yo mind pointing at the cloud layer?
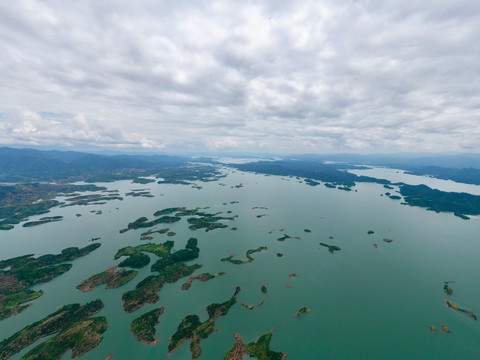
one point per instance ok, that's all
(278, 76)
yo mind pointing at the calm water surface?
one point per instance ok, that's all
(365, 303)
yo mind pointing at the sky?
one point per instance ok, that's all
(355, 76)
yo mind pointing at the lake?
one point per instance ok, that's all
(366, 302)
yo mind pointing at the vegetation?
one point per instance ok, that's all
(451, 305)
(190, 328)
(146, 290)
(331, 248)
(388, 240)
(43, 220)
(311, 170)
(447, 289)
(26, 271)
(247, 254)
(201, 277)
(307, 230)
(137, 259)
(20, 201)
(301, 311)
(259, 349)
(110, 277)
(460, 204)
(144, 223)
(370, 232)
(285, 237)
(76, 330)
(143, 327)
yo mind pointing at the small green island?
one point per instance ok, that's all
(18, 274)
(201, 277)
(43, 220)
(75, 329)
(171, 269)
(301, 311)
(143, 327)
(259, 349)
(190, 328)
(247, 254)
(331, 248)
(451, 305)
(388, 240)
(112, 278)
(307, 230)
(136, 258)
(446, 288)
(285, 237)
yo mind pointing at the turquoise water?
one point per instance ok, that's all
(365, 303)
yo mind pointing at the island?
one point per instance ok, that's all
(447, 289)
(285, 237)
(259, 349)
(43, 220)
(446, 329)
(112, 278)
(307, 230)
(460, 204)
(264, 290)
(331, 248)
(388, 240)
(137, 259)
(171, 269)
(451, 305)
(247, 254)
(143, 327)
(370, 232)
(20, 201)
(18, 274)
(190, 328)
(75, 329)
(301, 311)
(201, 277)
(433, 329)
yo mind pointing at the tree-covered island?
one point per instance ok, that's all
(112, 278)
(75, 329)
(18, 274)
(190, 328)
(143, 327)
(259, 349)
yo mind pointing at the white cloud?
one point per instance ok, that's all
(323, 76)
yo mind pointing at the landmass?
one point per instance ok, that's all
(143, 327)
(112, 278)
(447, 289)
(460, 204)
(331, 248)
(26, 271)
(20, 201)
(451, 305)
(137, 259)
(301, 311)
(285, 237)
(247, 254)
(201, 277)
(446, 329)
(190, 328)
(75, 329)
(43, 220)
(171, 269)
(259, 349)
(307, 230)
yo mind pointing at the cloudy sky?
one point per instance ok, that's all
(269, 76)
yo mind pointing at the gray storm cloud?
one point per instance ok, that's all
(278, 76)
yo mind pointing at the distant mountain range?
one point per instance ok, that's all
(36, 165)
